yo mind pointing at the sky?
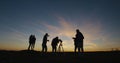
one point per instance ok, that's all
(98, 20)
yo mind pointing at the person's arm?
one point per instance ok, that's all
(60, 40)
(73, 37)
(82, 36)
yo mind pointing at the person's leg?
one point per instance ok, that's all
(52, 49)
(75, 48)
(42, 48)
(33, 46)
(55, 48)
(29, 47)
(82, 49)
(45, 48)
(78, 49)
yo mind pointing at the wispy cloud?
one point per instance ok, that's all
(14, 39)
(64, 28)
(95, 38)
(67, 30)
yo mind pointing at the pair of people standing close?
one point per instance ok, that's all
(78, 41)
(54, 43)
(32, 40)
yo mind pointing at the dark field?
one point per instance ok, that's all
(66, 57)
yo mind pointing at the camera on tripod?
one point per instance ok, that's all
(60, 47)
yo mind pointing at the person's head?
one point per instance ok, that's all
(77, 30)
(46, 34)
(31, 35)
(57, 37)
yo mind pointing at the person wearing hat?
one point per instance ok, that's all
(44, 46)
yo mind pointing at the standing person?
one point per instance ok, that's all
(78, 41)
(44, 46)
(75, 44)
(32, 40)
(54, 44)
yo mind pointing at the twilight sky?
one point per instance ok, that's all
(98, 20)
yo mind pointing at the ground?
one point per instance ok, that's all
(64, 57)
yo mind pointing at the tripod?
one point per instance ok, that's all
(60, 47)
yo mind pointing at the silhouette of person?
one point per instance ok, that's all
(54, 44)
(44, 46)
(32, 40)
(78, 41)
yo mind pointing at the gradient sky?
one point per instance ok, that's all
(98, 20)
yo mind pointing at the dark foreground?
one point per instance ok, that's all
(66, 57)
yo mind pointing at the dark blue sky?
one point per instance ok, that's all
(95, 18)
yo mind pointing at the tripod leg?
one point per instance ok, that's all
(62, 48)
